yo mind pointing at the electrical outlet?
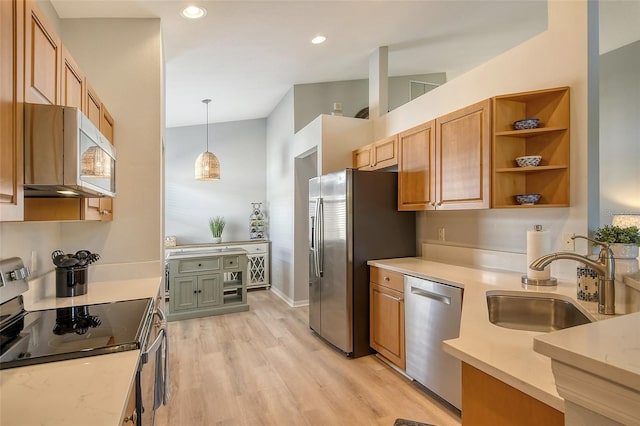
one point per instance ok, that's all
(441, 236)
(568, 243)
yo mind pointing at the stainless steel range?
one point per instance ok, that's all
(34, 337)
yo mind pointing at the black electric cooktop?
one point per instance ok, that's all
(74, 332)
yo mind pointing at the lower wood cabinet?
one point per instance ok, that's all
(386, 310)
(208, 284)
(489, 401)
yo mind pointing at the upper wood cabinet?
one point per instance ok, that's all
(42, 58)
(11, 111)
(106, 123)
(463, 158)
(378, 155)
(550, 140)
(445, 163)
(93, 105)
(72, 82)
(416, 168)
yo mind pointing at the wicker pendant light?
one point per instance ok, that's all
(207, 165)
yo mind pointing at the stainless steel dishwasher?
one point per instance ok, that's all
(432, 314)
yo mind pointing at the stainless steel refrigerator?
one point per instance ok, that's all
(353, 218)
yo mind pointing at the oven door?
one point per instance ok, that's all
(152, 372)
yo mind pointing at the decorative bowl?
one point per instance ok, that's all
(527, 123)
(527, 198)
(528, 160)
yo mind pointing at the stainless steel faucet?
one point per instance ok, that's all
(604, 266)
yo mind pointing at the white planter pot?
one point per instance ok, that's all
(217, 240)
(624, 251)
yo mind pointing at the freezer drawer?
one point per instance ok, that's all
(432, 314)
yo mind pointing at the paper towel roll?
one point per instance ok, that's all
(537, 245)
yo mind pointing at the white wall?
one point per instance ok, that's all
(129, 83)
(556, 57)
(620, 132)
(241, 149)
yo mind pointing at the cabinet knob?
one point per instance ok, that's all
(105, 212)
(386, 278)
(195, 291)
(199, 265)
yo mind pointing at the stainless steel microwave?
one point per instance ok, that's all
(65, 154)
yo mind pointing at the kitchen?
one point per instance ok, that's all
(141, 210)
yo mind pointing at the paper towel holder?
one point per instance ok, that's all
(536, 282)
(533, 282)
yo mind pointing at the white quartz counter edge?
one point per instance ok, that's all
(503, 353)
(91, 390)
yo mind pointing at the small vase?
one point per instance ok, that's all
(217, 240)
(624, 251)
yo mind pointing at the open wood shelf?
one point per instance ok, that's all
(551, 141)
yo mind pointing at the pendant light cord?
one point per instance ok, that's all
(206, 102)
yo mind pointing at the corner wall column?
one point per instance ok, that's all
(378, 82)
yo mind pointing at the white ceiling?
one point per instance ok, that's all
(245, 56)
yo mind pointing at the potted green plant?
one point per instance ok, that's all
(216, 224)
(623, 242)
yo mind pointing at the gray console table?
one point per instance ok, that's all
(207, 282)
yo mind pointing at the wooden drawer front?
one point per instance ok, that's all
(255, 248)
(384, 277)
(198, 264)
(231, 262)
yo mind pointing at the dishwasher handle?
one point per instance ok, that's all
(435, 296)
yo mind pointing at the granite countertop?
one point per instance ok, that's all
(87, 390)
(503, 353)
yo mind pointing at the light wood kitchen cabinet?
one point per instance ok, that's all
(550, 140)
(72, 82)
(378, 155)
(489, 401)
(463, 158)
(42, 58)
(416, 168)
(386, 312)
(106, 123)
(445, 163)
(93, 105)
(11, 110)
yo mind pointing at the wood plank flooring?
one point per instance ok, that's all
(265, 367)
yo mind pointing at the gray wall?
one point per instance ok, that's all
(620, 132)
(241, 150)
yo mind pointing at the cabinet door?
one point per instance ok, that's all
(72, 82)
(209, 290)
(463, 149)
(184, 293)
(42, 58)
(93, 106)
(106, 123)
(97, 209)
(387, 323)
(385, 153)
(416, 171)
(257, 269)
(361, 158)
(11, 111)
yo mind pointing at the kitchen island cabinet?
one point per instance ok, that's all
(207, 283)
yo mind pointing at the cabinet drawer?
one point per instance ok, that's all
(255, 248)
(199, 264)
(386, 278)
(231, 262)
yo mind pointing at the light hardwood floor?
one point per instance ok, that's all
(264, 367)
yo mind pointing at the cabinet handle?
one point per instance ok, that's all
(195, 291)
(439, 203)
(105, 212)
(199, 291)
(386, 278)
(133, 418)
(199, 265)
(432, 204)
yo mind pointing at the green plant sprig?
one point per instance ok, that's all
(216, 224)
(616, 234)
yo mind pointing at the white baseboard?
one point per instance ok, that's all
(287, 299)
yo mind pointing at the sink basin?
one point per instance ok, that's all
(533, 312)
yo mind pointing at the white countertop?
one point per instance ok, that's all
(204, 252)
(503, 353)
(91, 390)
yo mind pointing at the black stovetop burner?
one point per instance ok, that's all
(34, 337)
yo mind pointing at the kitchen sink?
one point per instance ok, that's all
(542, 313)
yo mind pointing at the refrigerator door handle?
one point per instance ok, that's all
(314, 238)
(320, 241)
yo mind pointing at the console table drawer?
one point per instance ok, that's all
(231, 262)
(199, 264)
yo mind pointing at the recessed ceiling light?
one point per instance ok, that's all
(193, 12)
(318, 39)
